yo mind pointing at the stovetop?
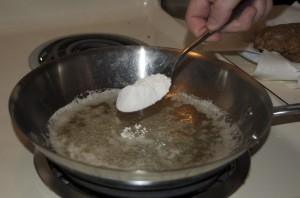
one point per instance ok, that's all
(24, 25)
(220, 184)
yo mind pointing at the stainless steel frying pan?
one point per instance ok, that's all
(53, 85)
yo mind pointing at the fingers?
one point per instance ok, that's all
(196, 18)
(196, 15)
(220, 12)
(254, 12)
(269, 7)
(263, 8)
(243, 22)
(212, 14)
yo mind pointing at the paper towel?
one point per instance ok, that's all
(272, 66)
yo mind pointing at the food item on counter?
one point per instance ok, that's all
(294, 57)
(283, 38)
(180, 131)
(143, 93)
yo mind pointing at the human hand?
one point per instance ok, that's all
(212, 14)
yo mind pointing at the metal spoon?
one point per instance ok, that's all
(133, 95)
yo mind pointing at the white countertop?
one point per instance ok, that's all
(26, 24)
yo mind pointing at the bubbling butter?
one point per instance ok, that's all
(184, 131)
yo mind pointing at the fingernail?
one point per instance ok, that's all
(211, 24)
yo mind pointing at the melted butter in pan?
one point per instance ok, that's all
(179, 131)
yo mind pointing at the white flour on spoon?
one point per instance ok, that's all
(143, 93)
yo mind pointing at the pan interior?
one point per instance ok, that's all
(178, 132)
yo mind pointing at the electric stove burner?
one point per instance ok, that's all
(60, 47)
(220, 185)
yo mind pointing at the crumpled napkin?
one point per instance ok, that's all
(272, 66)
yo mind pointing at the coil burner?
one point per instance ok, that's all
(220, 185)
(60, 47)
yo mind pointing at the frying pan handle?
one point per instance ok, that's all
(292, 109)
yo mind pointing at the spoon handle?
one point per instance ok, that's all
(183, 52)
